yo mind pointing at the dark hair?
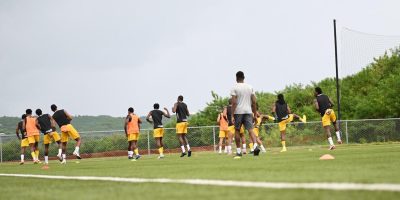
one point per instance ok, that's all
(38, 112)
(180, 98)
(156, 106)
(53, 107)
(130, 109)
(318, 90)
(28, 111)
(230, 101)
(23, 116)
(281, 99)
(239, 76)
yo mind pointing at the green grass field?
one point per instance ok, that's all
(373, 163)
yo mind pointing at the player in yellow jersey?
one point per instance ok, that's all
(132, 128)
(224, 133)
(158, 132)
(257, 125)
(182, 114)
(32, 132)
(23, 138)
(284, 116)
(47, 126)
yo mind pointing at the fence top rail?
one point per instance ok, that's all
(199, 127)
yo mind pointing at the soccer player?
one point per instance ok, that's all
(158, 132)
(63, 119)
(323, 104)
(32, 132)
(231, 126)
(257, 124)
(224, 134)
(48, 128)
(284, 115)
(23, 138)
(244, 111)
(182, 113)
(132, 129)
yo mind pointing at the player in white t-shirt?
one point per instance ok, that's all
(243, 111)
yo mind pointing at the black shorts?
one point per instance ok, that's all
(243, 119)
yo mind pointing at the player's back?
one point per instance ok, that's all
(156, 115)
(61, 118)
(181, 112)
(323, 103)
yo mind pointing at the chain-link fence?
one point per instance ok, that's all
(205, 138)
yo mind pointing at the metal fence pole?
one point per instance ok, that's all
(1, 149)
(215, 150)
(347, 134)
(148, 142)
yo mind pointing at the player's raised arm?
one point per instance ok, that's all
(69, 117)
(167, 115)
(17, 132)
(148, 118)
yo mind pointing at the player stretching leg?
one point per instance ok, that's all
(132, 128)
(244, 111)
(63, 119)
(48, 128)
(32, 132)
(182, 113)
(158, 132)
(323, 105)
(257, 124)
(282, 111)
(23, 138)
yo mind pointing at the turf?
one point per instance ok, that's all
(353, 163)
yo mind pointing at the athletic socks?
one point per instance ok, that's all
(130, 153)
(136, 151)
(183, 149)
(76, 150)
(161, 150)
(220, 149)
(64, 156)
(338, 136)
(238, 150)
(33, 156)
(37, 154)
(251, 146)
(22, 157)
(330, 141)
(283, 144)
(255, 145)
(188, 147)
(262, 148)
(46, 160)
(229, 149)
(59, 152)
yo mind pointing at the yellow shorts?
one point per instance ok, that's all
(53, 135)
(181, 128)
(282, 124)
(68, 131)
(133, 137)
(158, 132)
(24, 142)
(33, 139)
(328, 117)
(242, 129)
(231, 129)
(256, 131)
(224, 134)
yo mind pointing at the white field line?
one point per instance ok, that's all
(271, 185)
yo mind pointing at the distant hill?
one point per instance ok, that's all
(81, 123)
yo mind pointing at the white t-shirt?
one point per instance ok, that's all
(243, 92)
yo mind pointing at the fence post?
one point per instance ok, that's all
(1, 148)
(214, 139)
(347, 134)
(148, 142)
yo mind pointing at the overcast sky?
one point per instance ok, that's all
(98, 57)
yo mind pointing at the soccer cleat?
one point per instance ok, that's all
(244, 151)
(161, 157)
(219, 152)
(21, 163)
(138, 156)
(59, 158)
(63, 162)
(332, 147)
(304, 119)
(183, 154)
(339, 142)
(77, 155)
(130, 157)
(256, 151)
(189, 153)
(283, 150)
(263, 151)
(238, 156)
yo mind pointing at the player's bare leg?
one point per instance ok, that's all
(283, 141)
(237, 141)
(243, 138)
(160, 146)
(229, 142)
(329, 136)
(338, 135)
(33, 154)
(46, 154)
(130, 150)
(221, 140)
(254, 139)
(22, 155)
(135, 149)
(77, 145)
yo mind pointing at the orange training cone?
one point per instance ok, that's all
(326, 157)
